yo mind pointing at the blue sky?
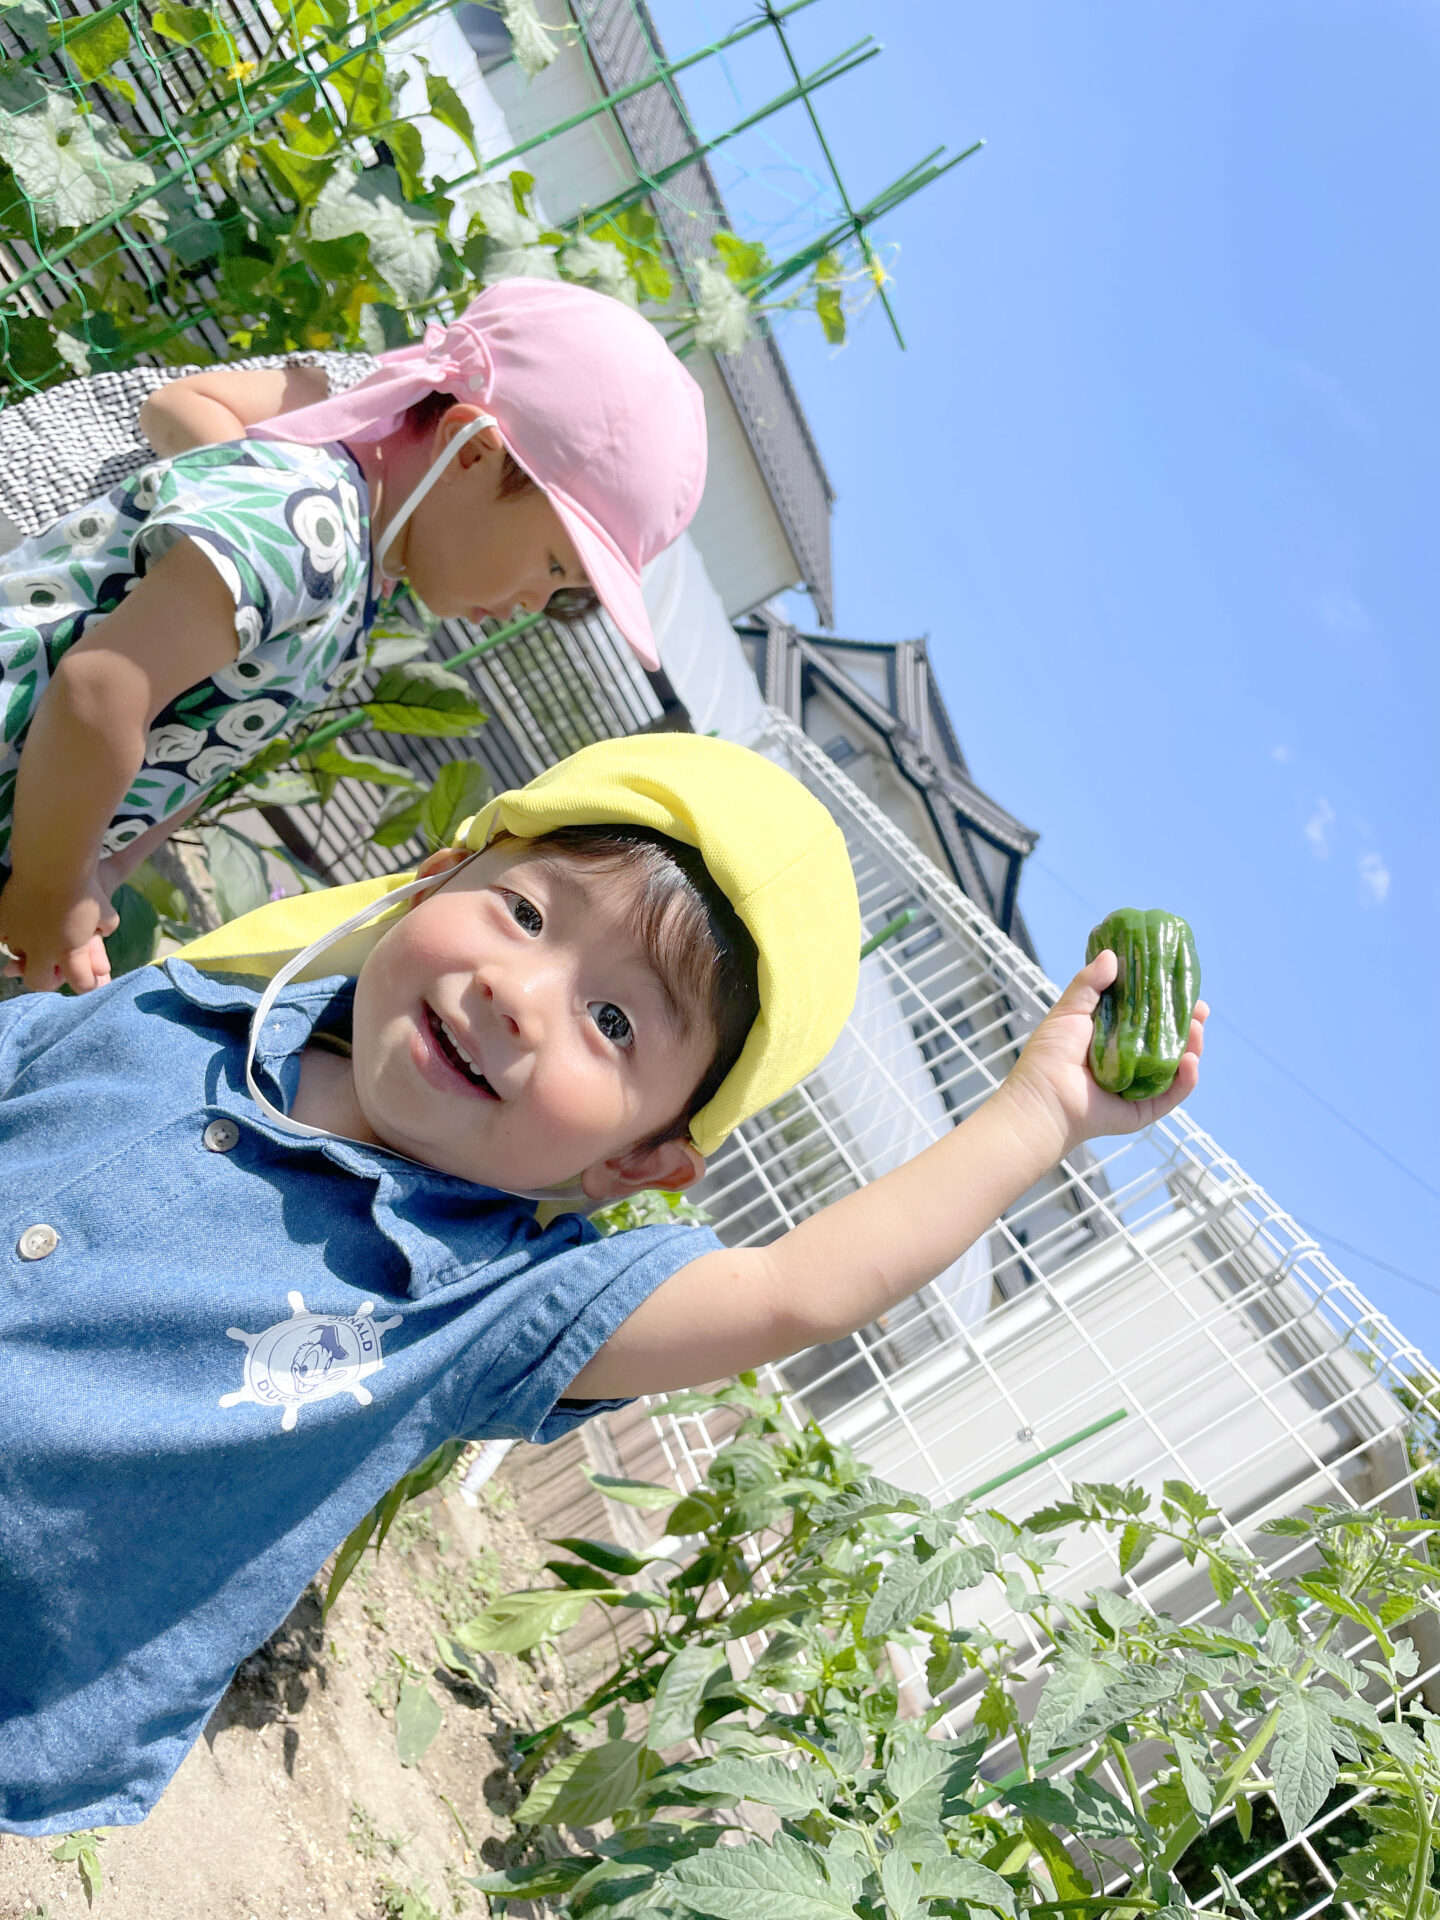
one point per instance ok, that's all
(1158, 478)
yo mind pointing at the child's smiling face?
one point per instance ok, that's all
(511, 1030)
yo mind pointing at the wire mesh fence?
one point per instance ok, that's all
(1148, 1312)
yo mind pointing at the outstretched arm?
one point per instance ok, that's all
(202, 409)
(843, 1267)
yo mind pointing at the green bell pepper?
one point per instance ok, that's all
(1143, 1020)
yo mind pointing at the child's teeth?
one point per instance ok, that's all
(458, 1048)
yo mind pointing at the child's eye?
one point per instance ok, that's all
(612, 1023)
(556, 569)
(524, 915)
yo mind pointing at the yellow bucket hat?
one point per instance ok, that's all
(769, 845)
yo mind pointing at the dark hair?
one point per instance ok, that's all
(566, 604)
(700, 948)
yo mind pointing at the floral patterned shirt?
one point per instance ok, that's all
(285, 527)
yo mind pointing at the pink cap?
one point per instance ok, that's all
(589, 400)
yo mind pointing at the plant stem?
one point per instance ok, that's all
(1132, 1785)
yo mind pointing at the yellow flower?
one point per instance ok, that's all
(241, 70)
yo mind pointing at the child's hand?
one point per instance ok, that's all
(1052, 1083)
(57, 938)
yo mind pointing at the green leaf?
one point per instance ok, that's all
(766, 1779)
(572, 1574)
(780, 1879)
(1078, 1681)
(93, 49)
(523, 1620)
(543, 1881)
(1070, 1883)
(909, 1586)
(830, 311)
(398, 820)
(133, 942)
(1134, 1544)
(631, 1493)
(967, 1880)
(348, 1558)
(677, 1698)
(459, 1660)
(407, 149)
(459, 790)
(338, 761)
(604, 1554)
(92, 1878)
(1302, 1759)
(585, 1787)
(928, 1778)
(696, 1513)
(1192, 1775)
(744, 260)
(73, 168)
(900, 1885)
(237, 872)
(401, 239)
(187, 24)
(417, 1721)
(1118, 1610)
(448, 108)
(422, 697)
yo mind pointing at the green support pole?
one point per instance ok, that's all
(497, 639)
(664, 70)
(888, 932)
(1048, 1453)
(862, 51)
(867, 252)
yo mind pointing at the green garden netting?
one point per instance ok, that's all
(182, 183)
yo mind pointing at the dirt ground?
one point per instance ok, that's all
(295, 1804)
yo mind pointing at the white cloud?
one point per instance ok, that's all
(1342, 613)
(1283, 754)
(1374, 880)
(1327, 388)
(1317, 828)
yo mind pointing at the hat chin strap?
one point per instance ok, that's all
(556, 1196)
(427, 480)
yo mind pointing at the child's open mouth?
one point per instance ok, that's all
(449, 1047)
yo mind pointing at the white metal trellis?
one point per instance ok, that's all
(1150, 1276)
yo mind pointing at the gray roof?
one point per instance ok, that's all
(623, 46)
(913, 722)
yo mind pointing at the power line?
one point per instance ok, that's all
(1319, 1098)
(1280, 1067)
(1360, 1254)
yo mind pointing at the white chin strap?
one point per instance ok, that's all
(557, 1196)
(427, 481)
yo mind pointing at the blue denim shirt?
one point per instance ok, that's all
(229, 1344)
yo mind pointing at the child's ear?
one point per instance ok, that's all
(672, 1166)
(441, 861)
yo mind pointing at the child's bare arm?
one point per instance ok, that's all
(203, 409)
(86, 744)
(841, 1268)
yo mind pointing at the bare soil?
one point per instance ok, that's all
(294, 1803)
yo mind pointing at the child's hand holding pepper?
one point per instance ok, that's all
(853, 1261)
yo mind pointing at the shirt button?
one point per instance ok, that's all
(220, 1136)
(35, 1242)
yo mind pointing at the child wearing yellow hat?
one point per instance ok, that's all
(271, 1231)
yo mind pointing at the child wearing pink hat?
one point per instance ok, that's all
(538, 450)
